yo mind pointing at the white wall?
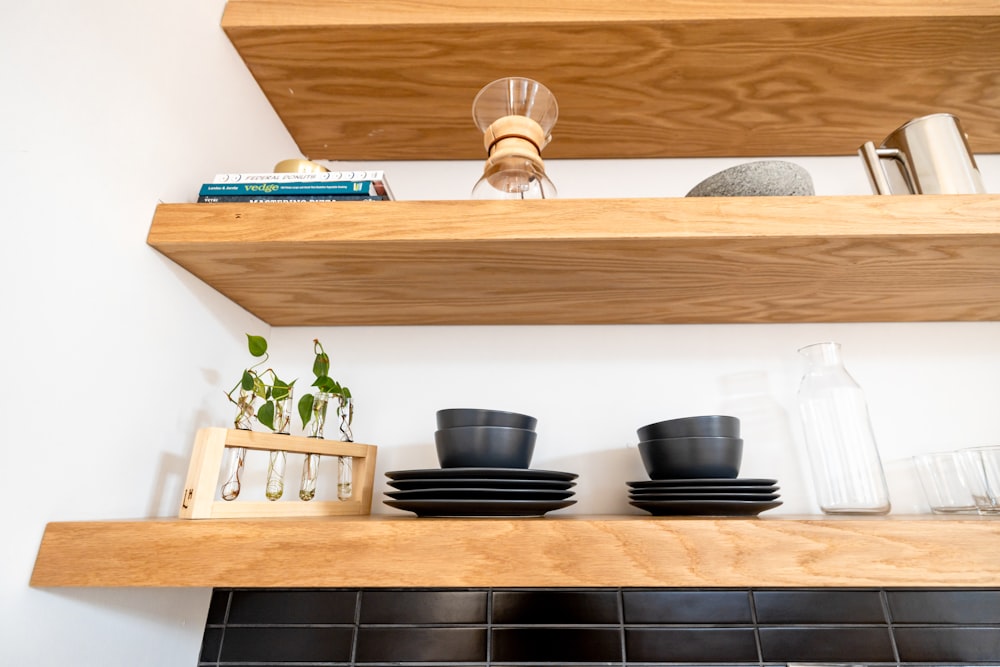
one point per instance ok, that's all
(113, 356)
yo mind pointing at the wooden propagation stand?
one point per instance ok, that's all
(203, 474)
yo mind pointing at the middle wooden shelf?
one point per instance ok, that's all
(596, 261)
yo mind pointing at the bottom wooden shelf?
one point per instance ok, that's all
(382, 551)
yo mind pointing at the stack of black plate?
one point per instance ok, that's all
(480, 492)
(484, 456)
(706, 497)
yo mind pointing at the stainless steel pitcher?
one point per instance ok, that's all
(927, 155)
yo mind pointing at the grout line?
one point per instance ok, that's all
(356, 631)
(225, 625)
(884, 600)
(756, 625)
(489, 627)
(621, 624)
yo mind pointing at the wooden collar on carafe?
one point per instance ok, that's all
(515, 136)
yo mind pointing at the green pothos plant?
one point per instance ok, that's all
(265, 385)
(310, 408)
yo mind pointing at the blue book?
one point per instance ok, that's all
(295, 188)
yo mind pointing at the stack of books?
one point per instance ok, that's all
(293, 187)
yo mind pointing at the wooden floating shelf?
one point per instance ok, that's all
(648, 78)
(596, 261)
(380, 551)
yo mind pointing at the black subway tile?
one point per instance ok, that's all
(218, 606)
(834, 644)
(680, 606)
(287, 644)
(963, 607)
(422, 606)
(560, 645)
(949, 644)
(690, 645)
(693, 627)
(211, 641)
(250, 607)
(584, 607)
(425, 644)
(818, 606)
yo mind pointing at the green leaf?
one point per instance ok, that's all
(328, 385)
(305, 409)
(259, 388)
(280, 389)
(321, 366)
(257, 345)
(266, 415)
(246, 384)
(345, 392)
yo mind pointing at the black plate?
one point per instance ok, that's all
(759, 497)
(713, 481)
(481, 473)
(479, 508)
(704, 507)
(652, 490)
(479, 494)
(465, 483)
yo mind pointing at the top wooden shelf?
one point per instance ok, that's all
(395, 79)
(380, 551)
(597, 261)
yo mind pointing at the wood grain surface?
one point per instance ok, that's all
(643, 79)
(680, 260)
(572, 551)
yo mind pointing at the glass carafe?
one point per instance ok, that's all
(516, 116)
(847, 470)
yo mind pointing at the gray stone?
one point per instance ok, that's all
(766, 178)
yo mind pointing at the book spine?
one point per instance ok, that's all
(286, 198)
(375, 175)
(292, 188)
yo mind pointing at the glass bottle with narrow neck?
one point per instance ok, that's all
(843, 454)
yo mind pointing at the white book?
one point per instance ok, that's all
(373, 175)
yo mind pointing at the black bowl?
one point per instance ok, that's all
(692, 427)
(457, 417)
(485, 447)
(692, 458)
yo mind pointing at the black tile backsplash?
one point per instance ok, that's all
(715, 645)
(218, 607)
(796, 607)
(423, 606)
(948, 644)
(211, 642)
(827, 644)
(963, 607)
(421, 644)
(289, 607)
(690, 627)
(558, 645)
(286, 644)
(687, 606)
(556, 607)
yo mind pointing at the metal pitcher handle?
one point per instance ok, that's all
(872, 157)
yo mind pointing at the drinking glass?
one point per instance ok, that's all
(982, 469)
(944, 482)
